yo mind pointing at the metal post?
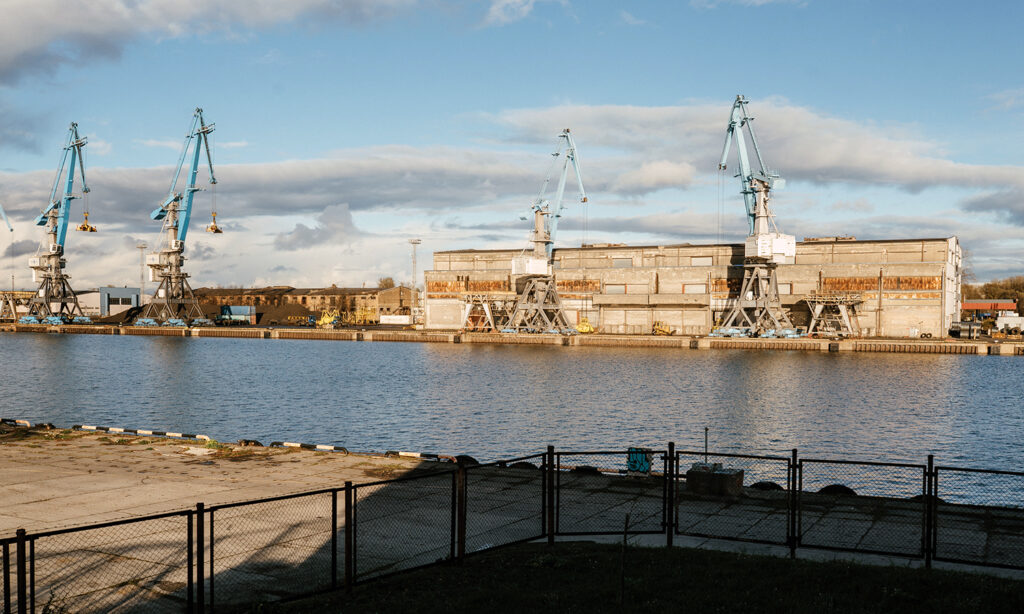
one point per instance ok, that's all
(211, 560)
(22, 583)
(461, 520)
(705, 444)
(670, 494)
(7, 578)
(929, 510)
(189, 547)
(791, 528)
(551, 495)
(350, 540)
(334, 539)
(454, 507)
(200, 544)
(32, 575)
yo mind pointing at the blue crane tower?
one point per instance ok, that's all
(55, 301)
(758, 308)
(174, 303)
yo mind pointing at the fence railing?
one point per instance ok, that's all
(227, 555)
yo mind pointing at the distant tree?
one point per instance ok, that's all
(385, 282)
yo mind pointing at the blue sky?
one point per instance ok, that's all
(346, 127)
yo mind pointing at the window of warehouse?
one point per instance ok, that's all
(695, 288)
(622, 263)
(700, 261)
(615, 288)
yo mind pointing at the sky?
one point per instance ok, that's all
(345, 128)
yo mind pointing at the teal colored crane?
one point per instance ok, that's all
(755, 186)
(547, 213)
(198, 139)
(58, 212)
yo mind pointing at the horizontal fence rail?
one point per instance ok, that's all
(238, 554)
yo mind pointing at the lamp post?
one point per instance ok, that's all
(415, 297)
(141, 245)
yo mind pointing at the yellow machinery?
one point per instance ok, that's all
(213, 227)
(86, 226)
(329, 319)
(660, 328)
(584, 327)
(359, 317)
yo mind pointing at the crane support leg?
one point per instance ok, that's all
(759, 306)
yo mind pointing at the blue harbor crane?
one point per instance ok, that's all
(55, 301)
(174, 303)
(547, 213)
(757, 310)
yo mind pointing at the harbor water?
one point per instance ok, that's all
(494, 401)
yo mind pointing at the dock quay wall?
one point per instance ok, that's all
(893, 346)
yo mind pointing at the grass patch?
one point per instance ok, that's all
(588, 577)
(213, 444)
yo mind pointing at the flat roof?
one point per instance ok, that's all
(677, 245)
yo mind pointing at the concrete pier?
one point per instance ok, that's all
(892, 346)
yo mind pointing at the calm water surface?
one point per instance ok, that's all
(496, 401)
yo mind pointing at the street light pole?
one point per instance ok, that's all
(141, 245)
(415, 280)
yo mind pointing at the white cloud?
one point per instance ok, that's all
(1007, 99)
(628, 19)
(504, 12)
(165, 143)
(97, 146)
(233, 144)
(709, 4)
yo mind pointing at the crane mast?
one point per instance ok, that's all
(174, 303)
(55, 301)
(758, 308)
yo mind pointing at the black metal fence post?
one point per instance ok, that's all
(454, 526)
(550, 495)
(792, 529)
(210, 557)
(200, 545)
(7, 578)
(22, 579)
(334, 539)
(32, 575)
(460, 523)
(190, 551)
(349, 538)
(670, 494)
(929, 510)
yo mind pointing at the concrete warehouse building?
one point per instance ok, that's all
(906, 287)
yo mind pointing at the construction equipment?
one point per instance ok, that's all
(174, 300)
(660, 328)
(758, 308)
(329, 319)
(359, 317)
(584, 327)
(55, 301)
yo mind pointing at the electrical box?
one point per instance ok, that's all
(35, 262)
(54, 249)
(152, 259)
(177, 245)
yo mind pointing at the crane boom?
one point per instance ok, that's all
(72, 148)
(546, 213)
(197, 136)
(3, 214)
(756, 186)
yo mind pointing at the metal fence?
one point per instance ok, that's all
(231, 555)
